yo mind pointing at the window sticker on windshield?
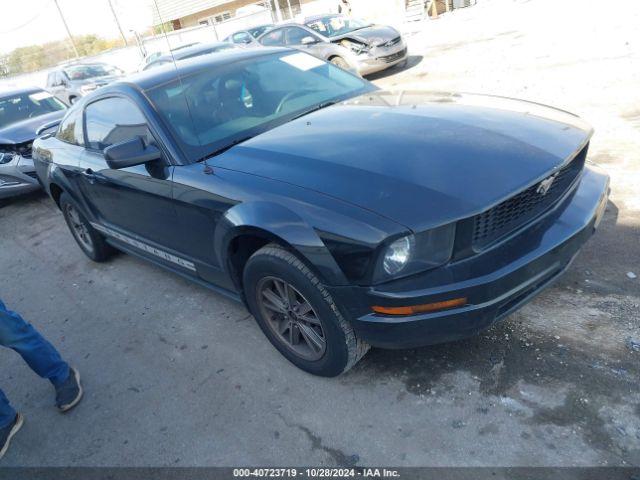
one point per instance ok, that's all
(302, 61)
(40, 96)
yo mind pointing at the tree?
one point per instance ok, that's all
(37, 57)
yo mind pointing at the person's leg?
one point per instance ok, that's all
(7, 413)
(10, 423)
(40, 355)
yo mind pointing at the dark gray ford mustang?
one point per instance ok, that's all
(342, 215)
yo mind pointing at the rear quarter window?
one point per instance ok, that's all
(70, 129)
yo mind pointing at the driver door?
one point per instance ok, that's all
(135, 202)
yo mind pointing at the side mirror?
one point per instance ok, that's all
(130, 153)
(309, 40)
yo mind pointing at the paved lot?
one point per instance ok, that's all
(178, 375)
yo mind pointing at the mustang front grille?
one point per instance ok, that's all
(497, 222)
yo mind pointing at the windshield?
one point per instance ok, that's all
(256, 32)
(217, 107)
(335, 25)
(84, 72)
(27, 105)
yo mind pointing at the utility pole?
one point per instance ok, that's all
(115, 17)
(73, 44)
(276, 3)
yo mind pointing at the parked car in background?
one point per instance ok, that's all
(23, 113)
(248, 38)
(155, 55)
(189, 52)
(71, 82)
(304, 38)
(340, 214)
(374, 47)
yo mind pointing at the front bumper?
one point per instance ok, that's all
(18, 177)
(495, 283)
(381, 59)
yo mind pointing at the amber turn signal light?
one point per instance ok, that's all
(425, 307)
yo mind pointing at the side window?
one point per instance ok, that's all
(295, 35)
(70, 129)
(241, 37)
(274, 37)
(114, 120)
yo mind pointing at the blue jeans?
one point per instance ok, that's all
(39, 354)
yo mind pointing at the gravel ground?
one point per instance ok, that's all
(177, 375)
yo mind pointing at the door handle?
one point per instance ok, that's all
(89, 175)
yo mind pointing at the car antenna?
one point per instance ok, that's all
(207, 168)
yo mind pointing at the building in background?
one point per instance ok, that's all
(190, 13)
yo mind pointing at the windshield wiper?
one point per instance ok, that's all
(227, 147)
(319, 106)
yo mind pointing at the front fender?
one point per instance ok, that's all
(280, 224)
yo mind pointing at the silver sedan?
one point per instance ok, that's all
(303, 38)
(374, 47)
(23, 114)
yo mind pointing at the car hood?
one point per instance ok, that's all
(25, 131)
(420, 159)
(374, 35)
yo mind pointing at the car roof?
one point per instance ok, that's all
(82, 64)
(260, 26)
(313, 18)
(148, 79)
(252, 28)
(200, 47)
(190, 51)
(13, 91)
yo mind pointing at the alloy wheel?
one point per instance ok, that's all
(291, 318)
(79, 228)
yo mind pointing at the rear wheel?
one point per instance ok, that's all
(298, 315)
(90, 241)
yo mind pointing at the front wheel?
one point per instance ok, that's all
(340, 62)
(298, 315)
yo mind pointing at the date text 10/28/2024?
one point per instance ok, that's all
(316, 472)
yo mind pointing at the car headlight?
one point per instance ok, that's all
(6, 157)
(355, 46)
(416, 253)
(398, 254)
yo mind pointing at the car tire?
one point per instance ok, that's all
(90, 241)
(340, 62)
(72, 100)
(342, 348)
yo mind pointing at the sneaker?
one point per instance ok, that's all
(7, 433)
(68, 394)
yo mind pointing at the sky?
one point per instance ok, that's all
(32, 22)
